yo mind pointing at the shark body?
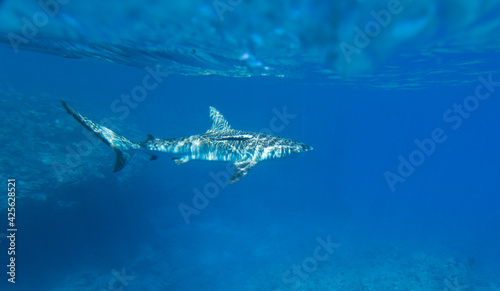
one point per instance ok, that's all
(220, 143)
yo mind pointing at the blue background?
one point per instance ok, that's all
(256, 229)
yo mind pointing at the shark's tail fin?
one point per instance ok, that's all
(117, 142)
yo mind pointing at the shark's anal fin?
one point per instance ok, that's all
(242, 169)
(180, 160)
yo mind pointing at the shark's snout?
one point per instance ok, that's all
(306, 148)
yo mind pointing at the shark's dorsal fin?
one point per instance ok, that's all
(219, 123)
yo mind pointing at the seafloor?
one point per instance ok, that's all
(351, 267)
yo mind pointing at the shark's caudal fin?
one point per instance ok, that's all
(117, 142)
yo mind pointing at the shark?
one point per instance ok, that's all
(219, 143)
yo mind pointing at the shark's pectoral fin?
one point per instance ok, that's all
(180, 160)
(242, 169)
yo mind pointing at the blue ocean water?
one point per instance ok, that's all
(399, 193)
